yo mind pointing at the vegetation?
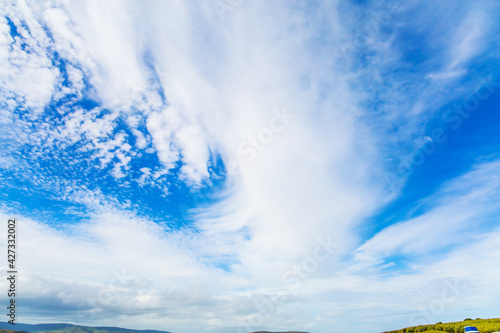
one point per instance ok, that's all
(11, 331)
(483, 326)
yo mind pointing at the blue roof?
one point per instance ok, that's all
(471, 329)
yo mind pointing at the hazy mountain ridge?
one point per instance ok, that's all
(11, 331)
(69, 328)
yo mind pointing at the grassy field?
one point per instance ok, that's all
(483, 326)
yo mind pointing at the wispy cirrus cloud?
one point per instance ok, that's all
(460, 208)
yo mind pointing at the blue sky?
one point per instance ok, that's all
(243, 166)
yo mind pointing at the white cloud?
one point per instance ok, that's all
(111, 41)
(469, 38)
(460, 210)
(466, 41)
(160, 126)
(141, 141)
(195, 154)
(27, 72)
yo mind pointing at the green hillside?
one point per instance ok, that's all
(483, 325)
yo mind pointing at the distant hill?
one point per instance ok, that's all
(32, 328)
(483, 325)
(11, 331)
(68, 328)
